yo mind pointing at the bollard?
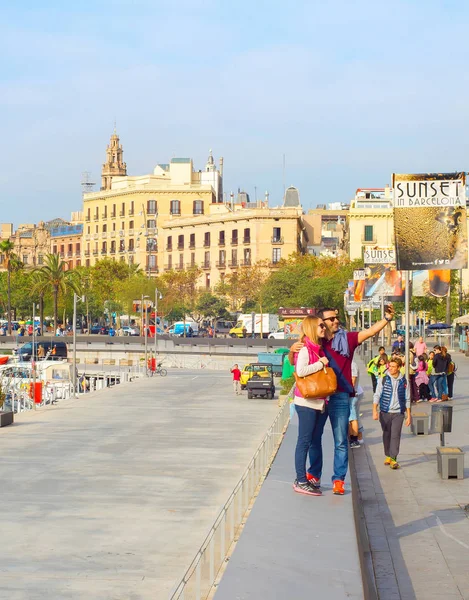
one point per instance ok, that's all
(419, 424)
(450, 462)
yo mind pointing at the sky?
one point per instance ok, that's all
(348, 91)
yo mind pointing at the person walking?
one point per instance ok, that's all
(431, 377)
(440, 367)
(391, 405)
(355, 426)
(372, 367)
(420, 347)
(413, 364)
(236, 379)
(450, 374)
(399, 345)
(312, 412)
(422, 380)
(339, 349)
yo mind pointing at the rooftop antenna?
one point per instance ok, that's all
(115, 127)
(87, 185)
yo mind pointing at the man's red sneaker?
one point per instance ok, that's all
(338, 487)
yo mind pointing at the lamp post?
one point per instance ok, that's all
(34, 354)
(158, 295)
(145, 332)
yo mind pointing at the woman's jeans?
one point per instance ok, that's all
(339, 413)
(441, 385)
(450, 381)
(310, 427)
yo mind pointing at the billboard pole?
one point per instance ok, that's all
(382, 317)
(407, 328)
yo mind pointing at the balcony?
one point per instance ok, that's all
(366, 240)
(275, 264)
(191, 245)
(104, 216)
(246, 240)
(206, 243)
(70, 254)
(234, 241)
(95, 236)
(96, 217)
(104, 234)
(113, 215)
(131, 214)
(87, 252)
(88, 236)
(206, 265)
(246, 262)
(198, 211)
(87, 218)
(103, 251)
(95, 252)
(62, 254)
(277, 240)
(122, 213)
(169, 248)
(168, 267)
(179, 267)
(176, 214)
(191, 265)
(180, 246)
(112, 250)
(131, 232)
(122, 249)
(112, 234)
(221, 242)
(131, 249)
(221, 264)
(233, 264)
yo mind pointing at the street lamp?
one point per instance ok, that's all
(145, 333)
(158, 295)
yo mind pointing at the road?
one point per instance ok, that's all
(109, 496)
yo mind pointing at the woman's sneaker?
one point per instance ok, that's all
(305, 487)
(314, 481)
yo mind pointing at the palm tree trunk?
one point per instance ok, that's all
(41, 311)
(9, 298)
(56, 307)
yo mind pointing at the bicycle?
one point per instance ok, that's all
(158, 370)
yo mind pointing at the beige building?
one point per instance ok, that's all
(122, 220)
(66, 239)
(231, 236)
(371, 220)
(327, 230)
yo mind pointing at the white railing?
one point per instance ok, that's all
(199, 578)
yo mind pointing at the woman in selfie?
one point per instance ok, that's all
(312, 413)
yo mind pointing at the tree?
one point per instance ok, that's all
(6, 248)
(212, 307)
(53, 275)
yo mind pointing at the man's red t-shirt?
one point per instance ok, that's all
(344, 363)
(236, 374)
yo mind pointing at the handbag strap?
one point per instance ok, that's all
(343, 381)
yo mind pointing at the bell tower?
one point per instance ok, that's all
(114, 165)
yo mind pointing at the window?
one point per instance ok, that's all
(192, 241)
(151, 207)
(169, 243)
(192, 259)
(234, 258)
(105, 213)
(131, 211)
(88, 215)
(54, 250)
(234, 236)
(276, 235)
(78, 263)
(151, 261)
(221, 258)
(207, 281)
(70, 250)
(131, 245)
(276, 255)
(151, 224)
(131, 259)
(96, 214)
(181, 261)
(123, 225)
(221, 238)
(89, 229)
(40, 259)
(96, 229)
(170, 262)
(114, 226)
(180, 242)
(25, 259)
(113, 213)
(175, 207)
(207, 259)
(113, 247)
(152, 245)
(87, 262)
(368, 237)
(247, 236)
(198, 207)
(121, 245)
(104, 248)
(104, 228)
(77, 248)
(207, 239)
(62, 250)
(122, 213)
(131, 224)
(247, 257)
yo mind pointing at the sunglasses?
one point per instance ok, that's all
(331, 319)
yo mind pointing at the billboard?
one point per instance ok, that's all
(385, 281)
(433, 283)
(430, 226)
(379, 255)
(359, 277)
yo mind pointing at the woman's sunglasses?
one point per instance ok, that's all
(322, 326)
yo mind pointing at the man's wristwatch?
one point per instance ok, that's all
(387, 319)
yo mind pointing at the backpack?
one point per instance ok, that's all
(452, 368)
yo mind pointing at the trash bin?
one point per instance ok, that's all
(442, 418)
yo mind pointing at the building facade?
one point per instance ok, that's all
(371, 220)
(229, 237)
(66, 239)
(327, 230)
(123, 219)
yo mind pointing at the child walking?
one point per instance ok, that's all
(236, 379)
(391, 404)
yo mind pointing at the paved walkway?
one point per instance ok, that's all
(417, 526)
(111, 495)
(295, 546)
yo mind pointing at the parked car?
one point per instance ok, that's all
(99, 329)
(277, 335)
(130, 331)
(58, 350)
(261, 369)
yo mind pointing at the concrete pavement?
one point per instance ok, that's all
(110, 496)
(417, 526)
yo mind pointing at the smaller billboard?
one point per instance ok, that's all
(379, 255)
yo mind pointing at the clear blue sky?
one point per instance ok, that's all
(349, 91)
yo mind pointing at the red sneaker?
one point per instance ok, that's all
(314, 480)
(338, 487)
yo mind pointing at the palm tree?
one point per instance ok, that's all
(53, 275)
(6, 248)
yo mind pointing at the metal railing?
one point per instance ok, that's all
(199, 578)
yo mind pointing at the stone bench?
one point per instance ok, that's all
(450, 462)
(91, 361)
(419, 423)
(109, 361)
(126, 362)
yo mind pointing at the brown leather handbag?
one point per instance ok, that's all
(321, 384)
